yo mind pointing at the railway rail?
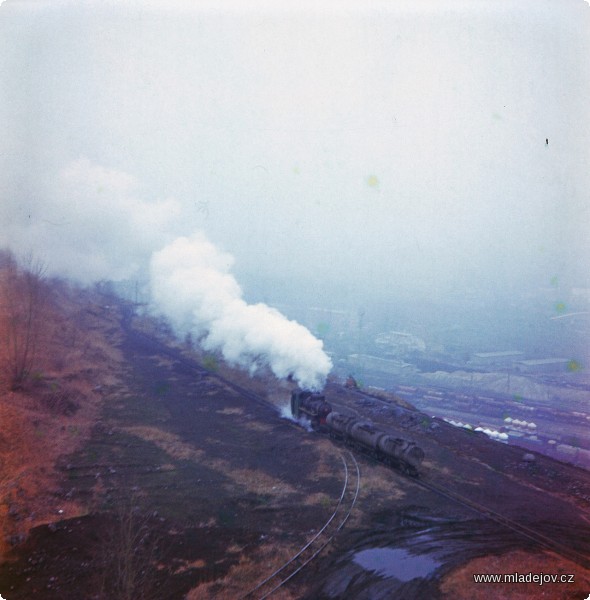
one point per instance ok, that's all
(523, 530)
(323, 537)
(333, 525)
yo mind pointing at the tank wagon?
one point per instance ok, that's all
(365, 436)
(401, 454)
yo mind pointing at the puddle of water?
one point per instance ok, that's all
(396, 562)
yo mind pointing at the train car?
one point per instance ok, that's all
(311, 406)
(403, 454)
(365, 436)
(339, 425)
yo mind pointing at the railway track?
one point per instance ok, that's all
(523, 530)
(323, 537)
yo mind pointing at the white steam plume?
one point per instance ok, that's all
(92, 223)
(192, 285)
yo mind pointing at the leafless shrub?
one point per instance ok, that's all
(128, 556)
(22, 299)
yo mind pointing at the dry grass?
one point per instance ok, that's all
(459, 583)
(76, 366)
(247, 574)
(231, 411)
(319, 499)
(378, 479)
(166, 441)
(258, 426)
(253, 481)
(256, 482)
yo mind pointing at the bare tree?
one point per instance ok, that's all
(127, 556)
(22, 299)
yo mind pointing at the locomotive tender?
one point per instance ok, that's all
(402, 454)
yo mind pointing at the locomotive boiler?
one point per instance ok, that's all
(311, 406)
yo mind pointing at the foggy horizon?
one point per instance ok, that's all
(369, 155)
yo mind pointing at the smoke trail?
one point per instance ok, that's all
(92, 223)
(192, 285)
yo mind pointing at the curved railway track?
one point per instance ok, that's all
(323, 537)
(345, 503)
(523, 530)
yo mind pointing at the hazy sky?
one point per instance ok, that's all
(397, 145)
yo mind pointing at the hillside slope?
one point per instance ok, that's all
(171, 480)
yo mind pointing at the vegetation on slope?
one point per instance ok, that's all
(57, 359)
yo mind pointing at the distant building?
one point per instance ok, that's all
(400, 342)
(543, 364)
(381, 365)
(506, 357)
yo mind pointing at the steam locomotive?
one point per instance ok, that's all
(363, 435)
